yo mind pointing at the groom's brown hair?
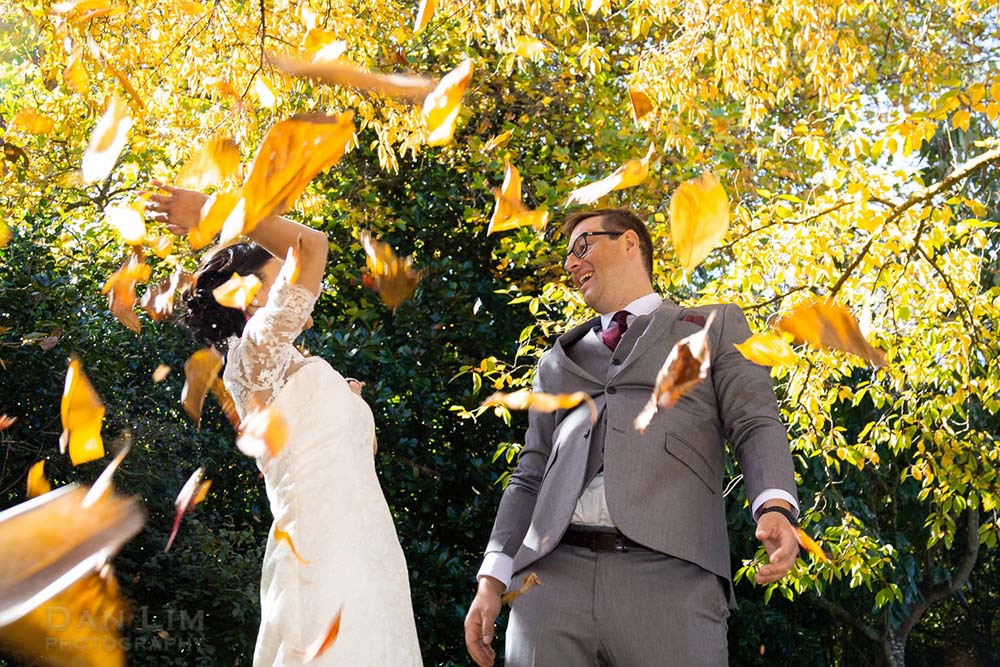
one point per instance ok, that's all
(617, 220)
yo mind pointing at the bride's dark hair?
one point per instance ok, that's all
(209, 322)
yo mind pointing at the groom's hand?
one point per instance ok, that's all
(781, 544)
(479, 621)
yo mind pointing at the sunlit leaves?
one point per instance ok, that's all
(699, 219)
(630, 174)
(237, 292)
(407, 87)
(37, 483)
(32, 123)
(442, 106)
(530, 582)
(687, 364)
(106, 142)
(127, 222)
(200, 372)
(292, 153)
(528, 47)
(283, 536)
(226, 402)
(768, 350)
(394, 277)
(509, 212)
(214, 214)
(5, 234)
(191, 495)
(323, 643)
(215, 163)
(824, 324)
(75, 74)
(82, 413)
(263, 431)
(158, 300)
(525, 399)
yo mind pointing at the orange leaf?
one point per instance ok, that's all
(200, 371)
(215, 163)
(282, 536)
(293, 152)
(106, 142)
(216, 212)
(510, 212)
(158, 301)
(82, 413)
(292, 265)
(317, 39)
(768, 350)
(161, 373)
(32, 123)
(326, 640)
(192, 493)
(395, 278)
(497, 141)
(37, 484)
(6, 422)
(424, 14)
(263, 430)
(828, 324)
(525, 399)
(226, 402)
(810, 545)
(337, 72)
(75, 74)
(641, 104)
(629, 174)
(699, 219)
(441, 107)
(102, 485)
(121, 285)
(529, 582)
(237, 292)
(5, 234)
(161, 246)
(51, 340)
(686, 365)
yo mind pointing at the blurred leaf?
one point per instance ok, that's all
(628, 175)
(200, 371)
(828, 324)
(699, 219)
(214, 164)
(768, 350)
(441, 107)
(191, 495)
(37, 484)
(326, 640)
(82, 414)
(106, 142)
(509, 212)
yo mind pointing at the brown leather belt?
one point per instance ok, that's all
(600, 539)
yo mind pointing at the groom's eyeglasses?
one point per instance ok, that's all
(581, 245)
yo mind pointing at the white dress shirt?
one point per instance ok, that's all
(592, 507)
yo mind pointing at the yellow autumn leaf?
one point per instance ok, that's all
(641, 104)
(699, 219)
(37, 484)
(768, 350)
(810, 545)
(191, 495)
(509, 212)
(200, 371)
(215, 163)
(393, 277)
(528, 47)
(628, 175)
(75, 74)
(161, 373)
(32, 123)
(120, 288)
(322, 644)
(102, 486)
(5, 234)
(824, 324)
(158, 301)
(282, 536)
(497, 141)
(82, 413)
(127, 222)
(525, 399)
(424, 14)
(161, 246)
(217, 210)
(237, 292)
(292, 153)
(960, 120)
(263, 431)
(265, 93)
(442, 106)
(530, 582)
(106, 142)
(337, 72)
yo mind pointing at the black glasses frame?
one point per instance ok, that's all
(580, 252)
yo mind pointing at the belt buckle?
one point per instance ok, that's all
(620, 546)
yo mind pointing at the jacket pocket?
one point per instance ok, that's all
(695, 461)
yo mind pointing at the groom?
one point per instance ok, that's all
(627, 530)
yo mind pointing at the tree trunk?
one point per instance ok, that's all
(894, 647)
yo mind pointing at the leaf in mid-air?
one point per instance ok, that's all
(82, 413)
(200, 371)
(214, 164)
(106, 142)
(628, 175)
(768, 350)
(525, 399)
(192, 493)
(509, 211)
(441, 107)
(699, 219)
(824, 324)
(394, 277)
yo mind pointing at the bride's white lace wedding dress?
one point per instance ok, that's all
(325, 495)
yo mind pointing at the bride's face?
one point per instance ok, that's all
(268, 274)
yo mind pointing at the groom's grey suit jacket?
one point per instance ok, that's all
(664, 487)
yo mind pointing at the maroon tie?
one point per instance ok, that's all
(613, 334)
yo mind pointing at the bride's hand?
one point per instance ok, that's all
(179, 208)
(355, 385)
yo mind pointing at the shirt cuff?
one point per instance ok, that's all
(498, 565)
(773, 494)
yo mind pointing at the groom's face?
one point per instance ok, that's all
(598, 273)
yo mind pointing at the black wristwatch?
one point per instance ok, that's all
(780, 510)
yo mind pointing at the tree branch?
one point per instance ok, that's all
(844, 617)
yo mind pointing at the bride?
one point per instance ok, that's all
(322, 486)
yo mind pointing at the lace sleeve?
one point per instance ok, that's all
(260, 359)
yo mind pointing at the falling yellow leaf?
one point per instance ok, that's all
(497, 141)
(317, 39)
(161, 246)
(525, 399)
(161, 373)
(215, 163)
(127, 222)
(237, 292)
(5, 234)
(293, 266)
(628, 175)
(530, 582)
(810, 545)
(103, 484)
(200, 371)
(441, 107)
(641, 104)
(528, 47)
(32, 123)
(120, 287)
(405, 87)
(699, 219)
(824, 324)
(424, 14)
(158, 301)
(191, 495)
(326, 640)
(127, 85)
(82, 413)
(282, 536)
(687, 364)
(216, 211)
(37, 484)
(75, 74)
(226, 402)
(106, 142)
(394, 278)
(292, 153)
(265, 93)
(768, 350)
(263, 430)
(509, 212)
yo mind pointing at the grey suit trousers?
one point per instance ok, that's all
(634, 609)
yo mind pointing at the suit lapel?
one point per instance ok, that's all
(661, 322)
(566, 341)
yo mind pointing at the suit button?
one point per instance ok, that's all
(610, 390)
(586, 433)
(616, 362)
